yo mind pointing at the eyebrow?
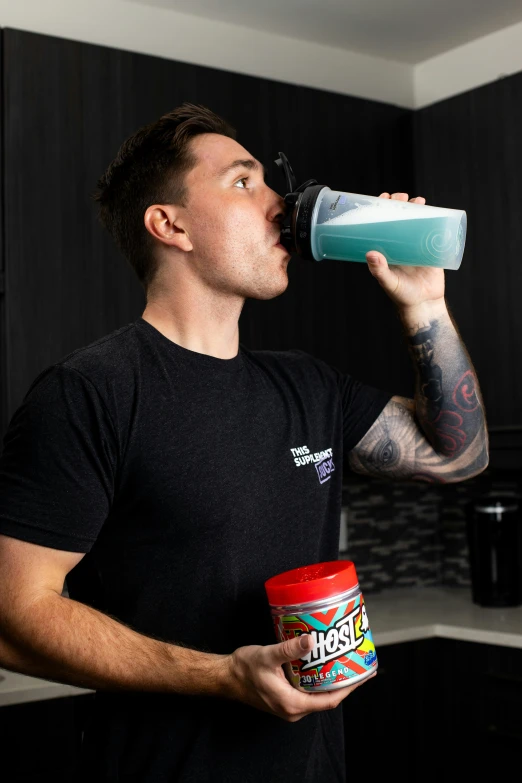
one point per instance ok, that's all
(246, 163)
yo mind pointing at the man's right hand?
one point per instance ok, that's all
(255, 677)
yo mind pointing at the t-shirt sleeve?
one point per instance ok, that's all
(58, 464)
(362, 405)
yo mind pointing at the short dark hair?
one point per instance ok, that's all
(150, 168)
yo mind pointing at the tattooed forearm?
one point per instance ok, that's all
(448, 406)
(440, 436)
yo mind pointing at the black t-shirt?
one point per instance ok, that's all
(189, 480)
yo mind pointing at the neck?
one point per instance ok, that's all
(207, 325)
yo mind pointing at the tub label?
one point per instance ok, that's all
(343, 644)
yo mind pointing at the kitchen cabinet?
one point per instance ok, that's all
(438, 709)
(483, 703)
(466, 148)
(41, 740)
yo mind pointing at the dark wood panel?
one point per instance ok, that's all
(468, 157)
(68, 107)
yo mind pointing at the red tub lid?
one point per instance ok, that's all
(311, 583)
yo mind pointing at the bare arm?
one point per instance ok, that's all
(47, 635)
(441, 435)
(44, 634)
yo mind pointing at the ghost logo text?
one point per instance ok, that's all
(338, 640)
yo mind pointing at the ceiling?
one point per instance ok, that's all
(406, 31)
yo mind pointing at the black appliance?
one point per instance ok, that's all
(494, 533)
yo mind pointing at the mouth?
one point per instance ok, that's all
(279, 246)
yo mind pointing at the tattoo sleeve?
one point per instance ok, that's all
(440, 436)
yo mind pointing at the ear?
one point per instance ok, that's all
(164, 222)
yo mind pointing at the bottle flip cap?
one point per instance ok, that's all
(296, 226)
(311, 583)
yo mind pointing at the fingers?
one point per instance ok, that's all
(404, 197)
(317, 702)
(275, 692)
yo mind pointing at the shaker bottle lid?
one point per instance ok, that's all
(311, 583)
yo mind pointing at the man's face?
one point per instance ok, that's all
(233, 221)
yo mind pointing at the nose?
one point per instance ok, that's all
(278, 208)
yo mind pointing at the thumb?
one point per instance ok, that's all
(292, 649)
(376, 262)
(378, 266)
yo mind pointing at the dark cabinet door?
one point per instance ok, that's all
(468, 156)
(41, 740)
(482, 698)
(382, 717)
(439, 709)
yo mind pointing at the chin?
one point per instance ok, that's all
(270, 292)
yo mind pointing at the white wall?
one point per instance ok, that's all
(466, 67)
(150, 30)
(158, 31)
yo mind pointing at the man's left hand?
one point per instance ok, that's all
(407, 286)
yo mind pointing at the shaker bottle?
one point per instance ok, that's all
(322, 223)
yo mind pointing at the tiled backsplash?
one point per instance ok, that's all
(411, 533)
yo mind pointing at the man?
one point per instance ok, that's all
(161, 460)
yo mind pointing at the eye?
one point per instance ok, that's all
(243, 179)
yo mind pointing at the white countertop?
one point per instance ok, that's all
(399, 615)
(18, 688)
(408, 614)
